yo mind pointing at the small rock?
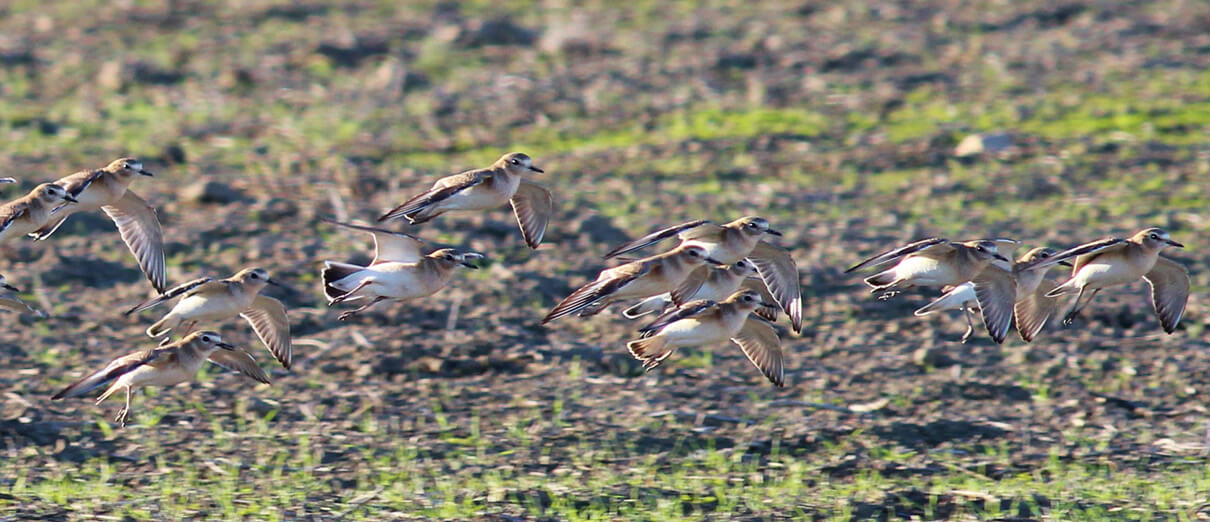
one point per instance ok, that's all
(976, 144)
(211, 192)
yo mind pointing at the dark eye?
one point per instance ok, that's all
(514, 161)
(1154, 235)
(206, 338)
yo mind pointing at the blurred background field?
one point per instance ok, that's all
(850, 125)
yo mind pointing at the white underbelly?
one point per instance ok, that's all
(198, 308)
(924, 271)
(718, 252)
(692, 332)
(1100, 275)
(475, 198)
(391, 280)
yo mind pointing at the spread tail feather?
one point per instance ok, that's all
(333, 272)
(881, 278)
(649, 350)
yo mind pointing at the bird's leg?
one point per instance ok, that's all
(888, 290)
(1078, 306)
(125, 411)
(347, 295)
(346, 315)
(970, 325)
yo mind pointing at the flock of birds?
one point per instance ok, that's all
(719, 283)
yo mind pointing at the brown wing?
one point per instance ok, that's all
(17, 305)
(1083, 254)
(896, 253)
(592, 293)
(689, 287)
(116, 368)
(140, 230)
(1033, 311)
(657, 236)
(996, 291)
(442, 190)
(780, 274)
(268, 319)
(181, 289)
(240, 361)
(10, 212)
(1169, 292)
(77, 183)
(533, 205)
(760, 343)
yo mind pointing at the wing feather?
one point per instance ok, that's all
(655, 237)
(1169, 292)
(780, 273)
(444, 189)
(268, 319)
(896, 253)
(760, 343)
(140, 230)
(181, 289)
(239, 361)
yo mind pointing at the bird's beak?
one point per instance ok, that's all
(283, 286)
(146, 173)
(70, 198)
(713, 261)
(1174, 243)
(1000, 257)
(767, 305)
(1065, 263)
(465, 260)
(536, 169)
(225, 346)
(774, 232)
(7, 286)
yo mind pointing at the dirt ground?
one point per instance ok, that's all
(836, 121)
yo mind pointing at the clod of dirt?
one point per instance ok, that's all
(497, 31)
(276, 209)
(211, 192)
(575, 38)
(933, 356)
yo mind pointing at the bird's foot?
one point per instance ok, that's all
(888, 294)
(121, 417)
(345, 316)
